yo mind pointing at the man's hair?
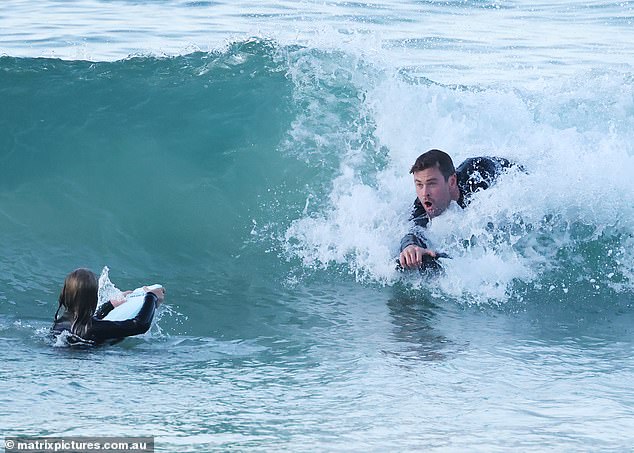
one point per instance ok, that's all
(434, 158)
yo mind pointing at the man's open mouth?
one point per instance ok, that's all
(427, 204)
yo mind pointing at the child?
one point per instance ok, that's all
(79, 299)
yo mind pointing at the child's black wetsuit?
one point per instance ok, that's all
(101, 330)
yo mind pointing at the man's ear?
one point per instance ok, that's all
(453, 180)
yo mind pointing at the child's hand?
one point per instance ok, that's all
(159, 292)
(120, 300)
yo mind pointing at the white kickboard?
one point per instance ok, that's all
(131, 307)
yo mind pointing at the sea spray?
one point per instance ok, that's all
(515, 233)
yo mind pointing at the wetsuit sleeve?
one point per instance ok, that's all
(103, 311)
(415, 235)
(480, 173)
(102, 330)
(412, 239)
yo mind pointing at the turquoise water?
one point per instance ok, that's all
(253, 159)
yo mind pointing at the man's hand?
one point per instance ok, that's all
(412, 256)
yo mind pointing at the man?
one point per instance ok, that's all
(438, 183)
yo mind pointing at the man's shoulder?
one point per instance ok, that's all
(479, 173)
(487, 164)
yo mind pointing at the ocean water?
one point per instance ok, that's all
(253, 158)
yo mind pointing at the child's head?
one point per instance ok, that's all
(79, 297)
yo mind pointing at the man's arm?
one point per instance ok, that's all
(414, 256)
(480, 173)
(412, 239)
(413, 245)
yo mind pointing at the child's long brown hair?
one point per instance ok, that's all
(79, 298)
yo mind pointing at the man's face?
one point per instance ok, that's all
(433, 191)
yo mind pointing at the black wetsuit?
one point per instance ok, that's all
(101, 330)
(474, 174)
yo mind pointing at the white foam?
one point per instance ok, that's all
(575, 137)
